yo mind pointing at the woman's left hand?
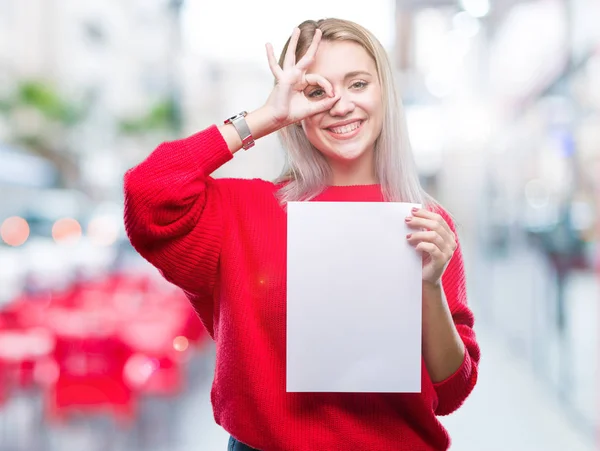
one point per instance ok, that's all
(434, 239)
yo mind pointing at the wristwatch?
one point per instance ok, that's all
(240, 124)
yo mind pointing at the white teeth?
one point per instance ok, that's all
(346, 128)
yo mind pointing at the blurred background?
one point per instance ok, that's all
(503, 105)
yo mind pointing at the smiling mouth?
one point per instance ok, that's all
(345, 130)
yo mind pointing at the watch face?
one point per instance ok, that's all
(237, 116)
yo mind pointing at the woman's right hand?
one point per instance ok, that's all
(288, 102)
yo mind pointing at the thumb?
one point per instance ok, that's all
(319, 80)
(324, 104)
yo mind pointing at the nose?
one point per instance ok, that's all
(343, 106)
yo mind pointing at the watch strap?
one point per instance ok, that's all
(241, 126)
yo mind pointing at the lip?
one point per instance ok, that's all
(345, 136)
(346, 122)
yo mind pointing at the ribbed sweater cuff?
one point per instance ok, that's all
(454, 386)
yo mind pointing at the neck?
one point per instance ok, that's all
(360, 172)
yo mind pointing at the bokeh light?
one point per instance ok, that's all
(66, 230)
(14, 231)
(103, 231)
(181, 343)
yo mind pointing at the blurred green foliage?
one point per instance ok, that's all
(163, 116)
(49, 138)
(44, 98)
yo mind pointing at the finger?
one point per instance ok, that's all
(432, 225)
(415, 222)
(319, 80)
(290, 54)
(430, 249)
(429, 237)
(322, 105)
(424, 213)
(309, 56)
(273, 64)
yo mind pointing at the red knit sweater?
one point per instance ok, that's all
(223, 241)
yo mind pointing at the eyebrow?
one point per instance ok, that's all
(356, 73)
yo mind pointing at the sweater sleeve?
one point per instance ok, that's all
(173, 209)
(454, 390)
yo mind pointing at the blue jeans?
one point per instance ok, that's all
(235, 445)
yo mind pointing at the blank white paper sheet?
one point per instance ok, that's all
(353, 298)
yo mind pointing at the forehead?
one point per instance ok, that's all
(335, 59)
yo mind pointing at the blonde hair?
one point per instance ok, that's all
(306, 172)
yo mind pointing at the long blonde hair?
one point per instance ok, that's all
(306, 171)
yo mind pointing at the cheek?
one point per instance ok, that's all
(375, 107)
(373, 104)
(379, 123)
(311, 128)
(376, 114)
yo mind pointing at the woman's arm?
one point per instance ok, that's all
(450, 347)
(450, 350)
(173, 211)
(443, 349)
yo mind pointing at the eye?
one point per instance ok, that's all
(316, 93)
(359, 85)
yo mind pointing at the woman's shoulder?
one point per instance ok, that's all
(247, 199)
(245, 188)
(255, 184)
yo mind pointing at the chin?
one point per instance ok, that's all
(345, 155)
(348, 155)
(344, 150)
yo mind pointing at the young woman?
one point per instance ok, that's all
(223, 241)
